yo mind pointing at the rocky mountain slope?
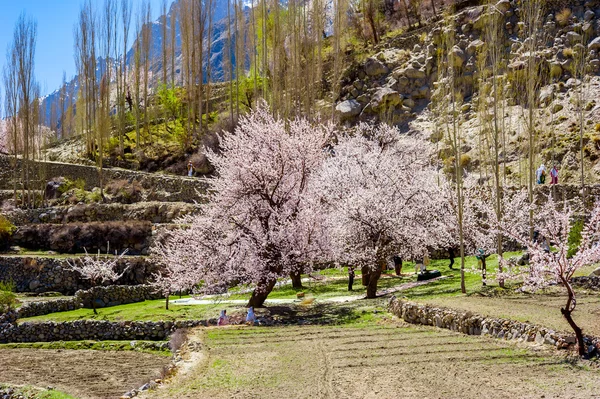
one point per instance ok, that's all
(396, 85)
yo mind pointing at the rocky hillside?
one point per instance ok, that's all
(396, 83)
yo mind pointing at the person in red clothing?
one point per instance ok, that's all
(554, 175)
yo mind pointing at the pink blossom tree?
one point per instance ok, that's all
(555, 266)
(260, 223)
(480, 217)
(98, 269)
(174, 274)
(382, 199)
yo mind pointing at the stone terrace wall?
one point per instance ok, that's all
(588, 282)
(162, 187)
(473, 324)
(155, 212)
(92, 330)
(39, 274)
(112, 295)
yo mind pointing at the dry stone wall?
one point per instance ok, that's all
(473, 324)
(39, 274)
(160, 187)
(155, 212)
(91, 330)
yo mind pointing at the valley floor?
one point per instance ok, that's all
(381, 359)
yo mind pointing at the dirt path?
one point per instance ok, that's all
(81, 373)
(379, 361)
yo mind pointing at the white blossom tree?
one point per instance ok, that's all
(382, 200)
(260, 223)
(98, 269)
(553, 265)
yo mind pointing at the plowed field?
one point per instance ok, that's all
(378, 361)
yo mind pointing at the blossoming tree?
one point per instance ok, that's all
(260, 223)
(382, 199)
(554, 265)
(98, 269)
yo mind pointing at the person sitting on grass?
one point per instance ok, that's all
(250, 317)
(223, 319)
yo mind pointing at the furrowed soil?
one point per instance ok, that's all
(81, 373)
(385, 360)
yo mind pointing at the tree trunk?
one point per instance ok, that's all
(373, 279)
(296, 279)
(567, 313)
(365, 276)
(260, 293)
(167, 302)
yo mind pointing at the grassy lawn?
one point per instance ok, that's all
(147, 310)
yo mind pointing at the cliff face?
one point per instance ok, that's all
(397, 83)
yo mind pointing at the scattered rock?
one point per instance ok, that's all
(557, 108)
(348, 109)
(384, 99)
(374, 67)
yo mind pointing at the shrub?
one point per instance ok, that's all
(563, 16)
(568, 52)
(6, 231)
(8, 299)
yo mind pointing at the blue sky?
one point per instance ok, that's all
(55, 19)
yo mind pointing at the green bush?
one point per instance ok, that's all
(71, 184)
(575, 238)
(6, 231)
(8, 299)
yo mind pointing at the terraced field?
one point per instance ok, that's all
(373, 361)
(81, 373)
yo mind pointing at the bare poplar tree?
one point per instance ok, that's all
(24, 43)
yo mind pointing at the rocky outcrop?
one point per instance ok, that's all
(413, 74)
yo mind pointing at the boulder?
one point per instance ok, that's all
(589, 15)
(348, 109)
(546, 95)
(385, 98)
(595, 272)
(474, 47)
(458, 56)
(573, 38)
(594, 44)
(374, 67)
(557, 108)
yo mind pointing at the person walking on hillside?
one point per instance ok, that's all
(190, 169)
(540, 174)
(554, 175)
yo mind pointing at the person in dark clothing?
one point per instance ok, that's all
(451, 255)
(350, 278)
(397, 265)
